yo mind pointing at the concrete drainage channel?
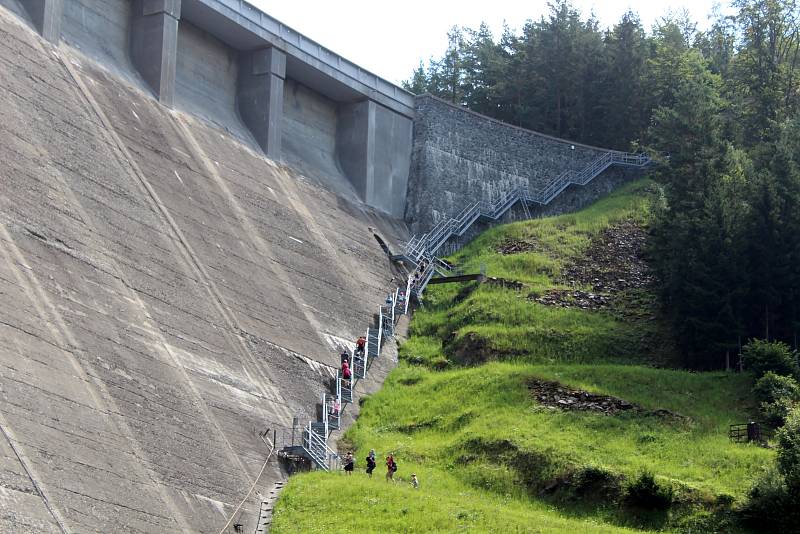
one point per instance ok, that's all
(267, 505)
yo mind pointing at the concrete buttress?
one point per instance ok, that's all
(260, 96)
(46, 15)
(355, 144)
(154, 44)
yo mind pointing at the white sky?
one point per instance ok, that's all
(390, 39)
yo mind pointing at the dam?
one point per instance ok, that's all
(190, 195)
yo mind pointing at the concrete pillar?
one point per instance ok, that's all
(154, 44)
(355, 146)
(46, 16)
(260, 96)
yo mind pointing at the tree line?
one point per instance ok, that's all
(719, 110)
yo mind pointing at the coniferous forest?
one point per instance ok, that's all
(719, 109)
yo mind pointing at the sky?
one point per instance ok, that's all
(390, 38)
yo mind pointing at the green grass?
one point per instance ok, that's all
(434, 418)
(458, 412)
(331, 503)
(557, 238)
(507, 325)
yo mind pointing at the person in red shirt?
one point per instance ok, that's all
(346, 374)
(360, 343)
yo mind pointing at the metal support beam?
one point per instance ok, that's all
(154, 45)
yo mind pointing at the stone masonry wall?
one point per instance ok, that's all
(460, 157)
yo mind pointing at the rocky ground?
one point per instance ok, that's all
(515, 246)
(611, 266)
(557, 396)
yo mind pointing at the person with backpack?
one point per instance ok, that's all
(349, 463)
(371, 463)
(391, 467)
(344, 356)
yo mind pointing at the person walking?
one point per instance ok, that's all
(349, 463)
(360, 344)
(414, 481)
(371, 463)
(346, 374)
(391, 467)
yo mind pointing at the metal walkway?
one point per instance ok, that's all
(314, 442)
(421, 250)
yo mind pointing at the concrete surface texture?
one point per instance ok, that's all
(166, 293)
(460, 157)
(206, 83)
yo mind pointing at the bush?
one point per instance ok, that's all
(775, 413)
(789, 452)
(777, 395)
(596, 482)
(648, 494)
(768, 503)
(772, 387)
(762, 357)
(773, 504)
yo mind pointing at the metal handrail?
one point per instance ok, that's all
(380, 333)
(335, 417)
(325, 416)
(408, 295)
(314, 444)
(394, 305)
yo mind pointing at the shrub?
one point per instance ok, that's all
(773, 503)
(789, 452)
(772, 387)
(775, 413)
(645, 492)
(767, 503)
(777, 395)
(596, 482)
(762, 357)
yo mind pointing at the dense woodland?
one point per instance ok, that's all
(719, 111)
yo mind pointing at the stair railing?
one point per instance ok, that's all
(325, 417)
(426, 245)
(317, 448)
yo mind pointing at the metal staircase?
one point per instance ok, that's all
(421, 250)
(314, 442)
(373, 343)
(358, 365)
(315, 445)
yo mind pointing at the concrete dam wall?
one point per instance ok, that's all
(166, 293)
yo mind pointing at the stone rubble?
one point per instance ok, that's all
(612, 265)
(555, 395)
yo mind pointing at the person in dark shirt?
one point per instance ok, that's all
(371, 463)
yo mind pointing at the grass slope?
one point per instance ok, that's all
(505, 324)
(489, 457)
